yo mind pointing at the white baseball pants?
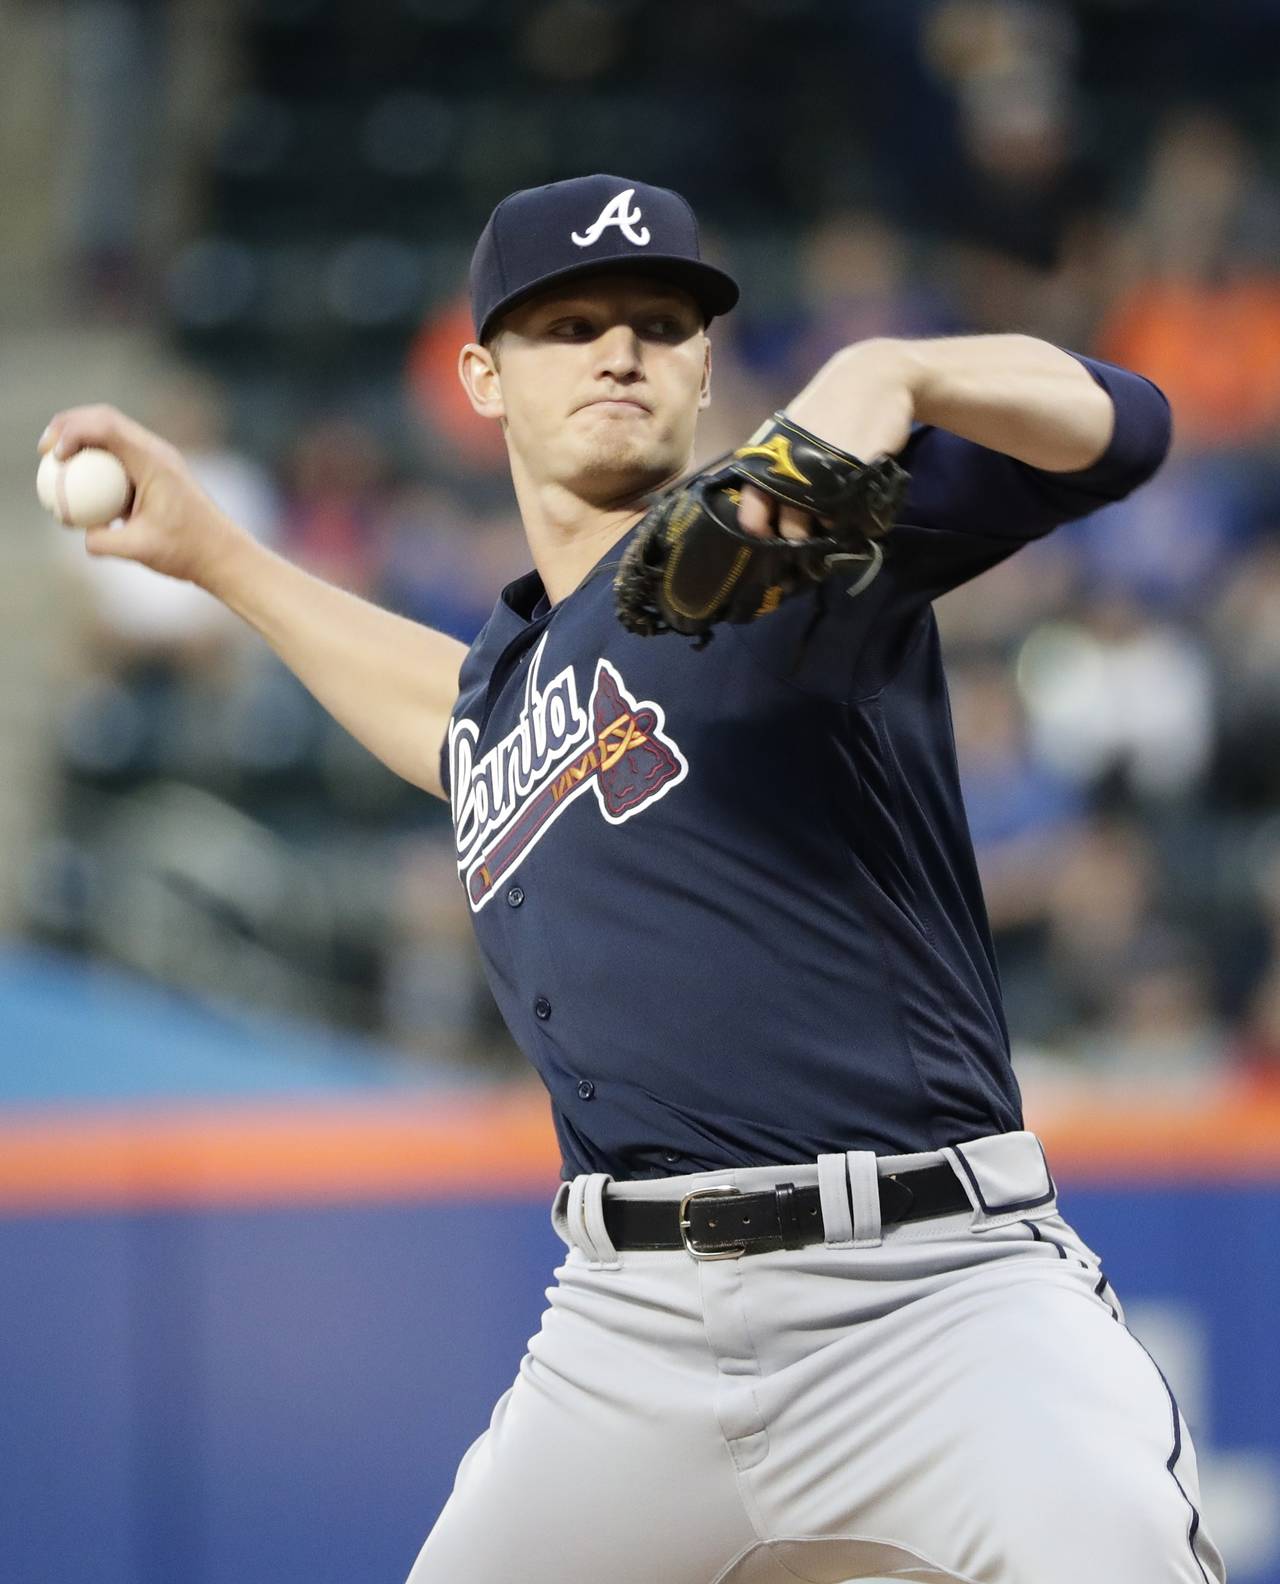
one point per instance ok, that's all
(952, 1399)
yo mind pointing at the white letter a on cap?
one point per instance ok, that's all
(616, 212)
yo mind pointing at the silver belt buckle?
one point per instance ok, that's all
(734, 1251)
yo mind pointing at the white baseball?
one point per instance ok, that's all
(88, 489)
(45, 474)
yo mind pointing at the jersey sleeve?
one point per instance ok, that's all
(967, 508)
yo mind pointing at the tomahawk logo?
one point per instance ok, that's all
(616, 212)
(505, 800)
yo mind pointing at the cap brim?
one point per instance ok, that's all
(715, 291)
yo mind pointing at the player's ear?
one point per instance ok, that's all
(478, 371)
(704, 395)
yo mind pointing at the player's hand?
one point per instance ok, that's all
(771, 518)
(863, 401)
(691, 564)
(173, 527)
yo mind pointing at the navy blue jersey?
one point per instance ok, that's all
(726, 898)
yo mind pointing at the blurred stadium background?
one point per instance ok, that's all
(272, 1176)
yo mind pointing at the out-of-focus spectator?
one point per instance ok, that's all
(111, 108)
(1009, 65)
(1024, 208)
(855, 279)
(1121, 697)
(456, 434)
(141, 80)
(573, 40)
(336, 498)
(1161, 1030)
(1245, 628)
(1101, 907)
(1202, 314)
(997, 610)
(434, 1000)
(1257, 1048)
(1167, 547)
(1021, 812)
(1023, 816)
(444, 565)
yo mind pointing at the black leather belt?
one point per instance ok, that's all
(723, 1223)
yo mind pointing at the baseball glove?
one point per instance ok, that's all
(690, 565)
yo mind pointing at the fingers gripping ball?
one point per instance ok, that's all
(691, 565)
(87, 490)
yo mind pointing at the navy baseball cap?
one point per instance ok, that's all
(542, 235)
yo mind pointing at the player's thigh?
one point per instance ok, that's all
(575, 1487)
(1057, 1452)
(1000, 1424)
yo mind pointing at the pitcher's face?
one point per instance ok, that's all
(600, 383)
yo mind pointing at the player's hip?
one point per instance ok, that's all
(855, 1200)
(819, 1250)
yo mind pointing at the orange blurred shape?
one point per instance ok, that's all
(1214, 349)
(437, 393)
(325, 1151)
(500, 1143)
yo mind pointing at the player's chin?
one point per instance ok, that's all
(624, 468)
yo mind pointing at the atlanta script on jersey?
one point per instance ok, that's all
(506, 799)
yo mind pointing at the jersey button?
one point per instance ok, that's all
(515, 896)
(586, 1089)
(542, 1008)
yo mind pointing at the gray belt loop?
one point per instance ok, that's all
(585, 1216)
(833, 1191)
(864, 1198)
(560, 1213)
(579, 1237)
(604, 1256)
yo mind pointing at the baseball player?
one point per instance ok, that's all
(819, 1316)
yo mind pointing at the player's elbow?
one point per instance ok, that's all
(1159, 436)
(1142, 431)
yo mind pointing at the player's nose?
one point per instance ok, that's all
(619, 352)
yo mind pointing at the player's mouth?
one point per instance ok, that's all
(619, 404)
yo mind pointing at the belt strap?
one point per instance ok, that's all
(722, 1223)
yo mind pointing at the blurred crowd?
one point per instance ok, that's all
(1115, 687)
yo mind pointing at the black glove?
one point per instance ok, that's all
(690, 565)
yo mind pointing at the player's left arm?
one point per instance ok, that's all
(1011, 393)
(1003, 438)
(1014, 395)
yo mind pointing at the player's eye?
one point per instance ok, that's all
(571, 329)
(666, 327)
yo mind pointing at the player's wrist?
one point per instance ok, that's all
(226, 564)
(896, 363)
(863, 400)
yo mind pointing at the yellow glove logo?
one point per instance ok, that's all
(779, 451)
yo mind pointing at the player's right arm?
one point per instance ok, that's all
(392, 683)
